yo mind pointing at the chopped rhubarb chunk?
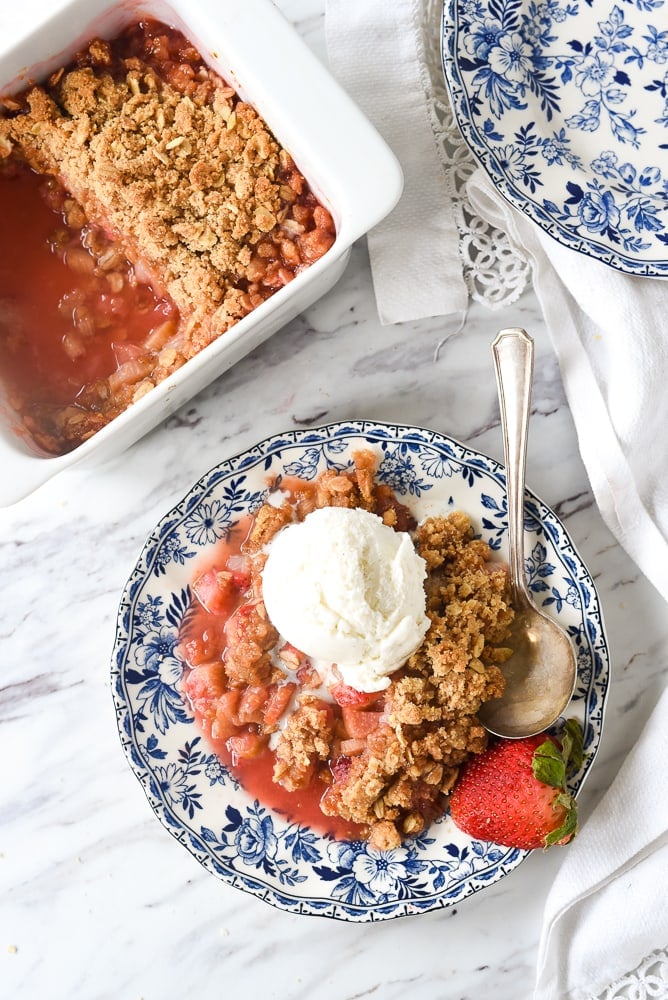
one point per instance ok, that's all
(278, 701)
(358, 724)
(204, 685)
(246, 744)
(212, 589)
(251, 704)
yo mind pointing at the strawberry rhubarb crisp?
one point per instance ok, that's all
(379, 758)
(173, 203)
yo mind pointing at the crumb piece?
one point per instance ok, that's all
(305, 741)
(267, 522)
(384, 836)
(250, 636)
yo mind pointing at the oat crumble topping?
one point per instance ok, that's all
(184, 176)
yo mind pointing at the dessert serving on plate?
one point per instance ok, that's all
(280, 775)
(357, 661)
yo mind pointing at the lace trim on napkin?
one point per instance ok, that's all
(494, 273)
(648, 982)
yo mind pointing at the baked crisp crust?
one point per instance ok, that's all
(189, 189)
(184, 179)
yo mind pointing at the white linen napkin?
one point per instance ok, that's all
(609, 333)
(607, 909)
(375, 51)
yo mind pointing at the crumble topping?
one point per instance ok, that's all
(183, 178)
(189, 187)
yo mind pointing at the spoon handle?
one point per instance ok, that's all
(513, 361)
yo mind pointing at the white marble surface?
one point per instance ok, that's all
(96, 900)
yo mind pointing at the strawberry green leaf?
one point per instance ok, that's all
(569, 827)
(551, 763)
(548, 765)
(572, 746)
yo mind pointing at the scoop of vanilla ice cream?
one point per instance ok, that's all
(345, 588)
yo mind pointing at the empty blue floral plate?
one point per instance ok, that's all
(565, 104)
(200, 803)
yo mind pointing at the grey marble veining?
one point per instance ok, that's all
(96, 899)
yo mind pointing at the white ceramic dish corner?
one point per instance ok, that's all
(347, 163)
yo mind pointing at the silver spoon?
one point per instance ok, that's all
(540, 675)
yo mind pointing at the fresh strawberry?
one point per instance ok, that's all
(515, 792)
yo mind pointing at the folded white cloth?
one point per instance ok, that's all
(375, 50)
(607, 908)
(609, 333)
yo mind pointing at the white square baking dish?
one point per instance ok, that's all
(347, 164)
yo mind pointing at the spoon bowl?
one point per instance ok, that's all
(540, 675)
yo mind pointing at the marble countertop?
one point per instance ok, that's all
(96, 900)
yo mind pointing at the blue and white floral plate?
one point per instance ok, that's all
(200, 803)
(565, 104)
